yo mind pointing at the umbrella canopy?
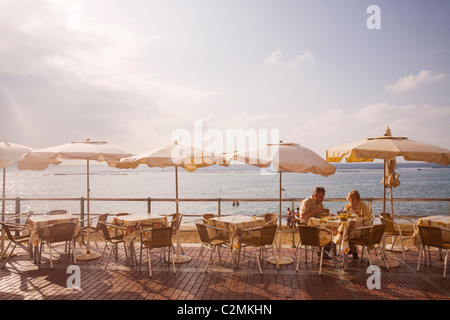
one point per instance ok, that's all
(10, 154)
(175, 155)
(286, 157)
(388, 148)
(99, 151)
(88, 150)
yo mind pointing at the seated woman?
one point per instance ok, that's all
(356, 206)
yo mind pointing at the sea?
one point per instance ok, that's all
(237, 181)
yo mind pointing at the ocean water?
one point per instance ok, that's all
(418, 180)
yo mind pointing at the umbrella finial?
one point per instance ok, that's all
(388, 132)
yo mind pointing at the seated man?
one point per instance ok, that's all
(313, 206)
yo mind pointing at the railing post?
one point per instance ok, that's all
(219, 206)
(149, 205)
(17, 233)
(82, 209)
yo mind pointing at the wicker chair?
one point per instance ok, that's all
(207, 216)
(114, 239)
(261, 238)
(211, 242)
(433, 237)
(393, 230)
(270, 218)
(93, 229)
(369, 237)
(24, 236)
(172, 219)
(154, 238)
(309, 237)
(60, 232)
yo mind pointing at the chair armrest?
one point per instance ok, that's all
(325, 230)
(17, 226)
(252, 229)
(18, 216)
(218, 229)
(112, 225)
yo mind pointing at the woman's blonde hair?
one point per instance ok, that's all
(353, 194)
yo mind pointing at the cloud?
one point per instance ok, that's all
(276, 59)
(412, 81)
(306, 58)
(66, 76)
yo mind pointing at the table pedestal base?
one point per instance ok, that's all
(395, 248)
(88, 256)
(282, 261)
(180, 259)
(392, 263)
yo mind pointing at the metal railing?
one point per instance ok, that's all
(82, 202)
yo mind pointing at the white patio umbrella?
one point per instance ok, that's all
(388, 148)
(87, 150)
(175, 155)
(286, 157)
(10, 154)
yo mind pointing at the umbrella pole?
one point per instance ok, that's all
(178, 258)
(88, 255)
(3, 211)
(279, 258)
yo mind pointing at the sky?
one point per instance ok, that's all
(139, 73)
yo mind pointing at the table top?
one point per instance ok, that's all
(56, 217)
(138, 217)
(238, 219)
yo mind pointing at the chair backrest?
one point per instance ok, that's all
(376, 234)
(8, 232)
(267, 235)
(173, 221)
(159, 238)
(431, 236)
(388, 219)
(56, 212)
(207, 216)
(271, 218)
(309, 235)
(101, 218)
(202, 230)
(59, 232)
(104, 228)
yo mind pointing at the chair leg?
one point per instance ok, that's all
(50, 253)
(4, 252)
(199, 255)
(104, 249)
(445, 262)
(173, 257)
(110, 252)
(149, 263)
(298, 262)
(257, 259)
(321, 259)
(420, 254)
